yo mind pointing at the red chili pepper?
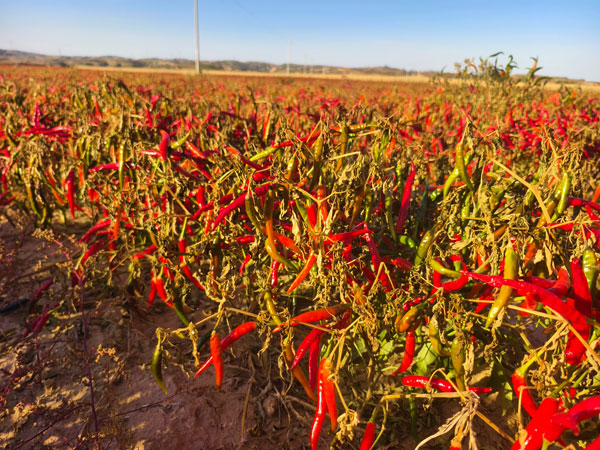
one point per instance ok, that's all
(485, 295)
(152, 294)
(310, 262)
(99, 226)
(541, 282)
(314, 316)
(562, 285)
(159, 283)
(533, 436)
(227, 341)
(581, 290)
(329, 392)
(182, 246)
(545, 296)
(275, 274)
(456, 285)
(409, 352)
(145, 252)
(320, 412)
(575, 350)
(586, 409)
(92, 250)
(376, 260)
(559, 422)
(245, 263)
(166, 263)
(305, 345)
(239, 203)
(163, 147)
(311, 213)
(519, 380)
(313, 362)
(573, 201)
(217, 356)
(249, 239)
(436, 383)
(347, 236)
(403, 214)
(368, 437)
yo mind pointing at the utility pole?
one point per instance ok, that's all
(197, 37)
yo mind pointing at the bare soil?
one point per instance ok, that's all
(46, 394)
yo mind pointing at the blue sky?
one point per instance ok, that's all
(425, 35)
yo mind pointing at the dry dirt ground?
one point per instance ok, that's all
(84, 381)
(45, 388)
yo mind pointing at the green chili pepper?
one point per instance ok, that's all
(178, 143)
(434, 337)
(179, 310)
(453, 176)
(423, 247)
(457, 354)
(435, 194)
(564, 189)
(268, 298)
(510, 273)
(157, 365)
(438, 267)
(406, 240)
(291, 167)
(590, 270)
(317, 162)
(398, 171)
(251, 213)
(263, 154)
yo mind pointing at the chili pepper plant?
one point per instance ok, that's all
(423, 264)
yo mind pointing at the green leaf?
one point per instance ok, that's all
(425, 358)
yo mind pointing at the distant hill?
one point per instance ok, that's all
(26, 58)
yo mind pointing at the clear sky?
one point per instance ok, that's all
(417, 35)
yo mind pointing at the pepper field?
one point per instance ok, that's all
(222, 262)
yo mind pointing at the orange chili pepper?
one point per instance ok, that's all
(217, 356)
(310, 262)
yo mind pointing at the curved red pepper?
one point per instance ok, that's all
(317, 424)
(314, 316)
(310, 262)
(436, 383)
(409, 352)
(305, 346)
(227, 341)
(533, 437)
